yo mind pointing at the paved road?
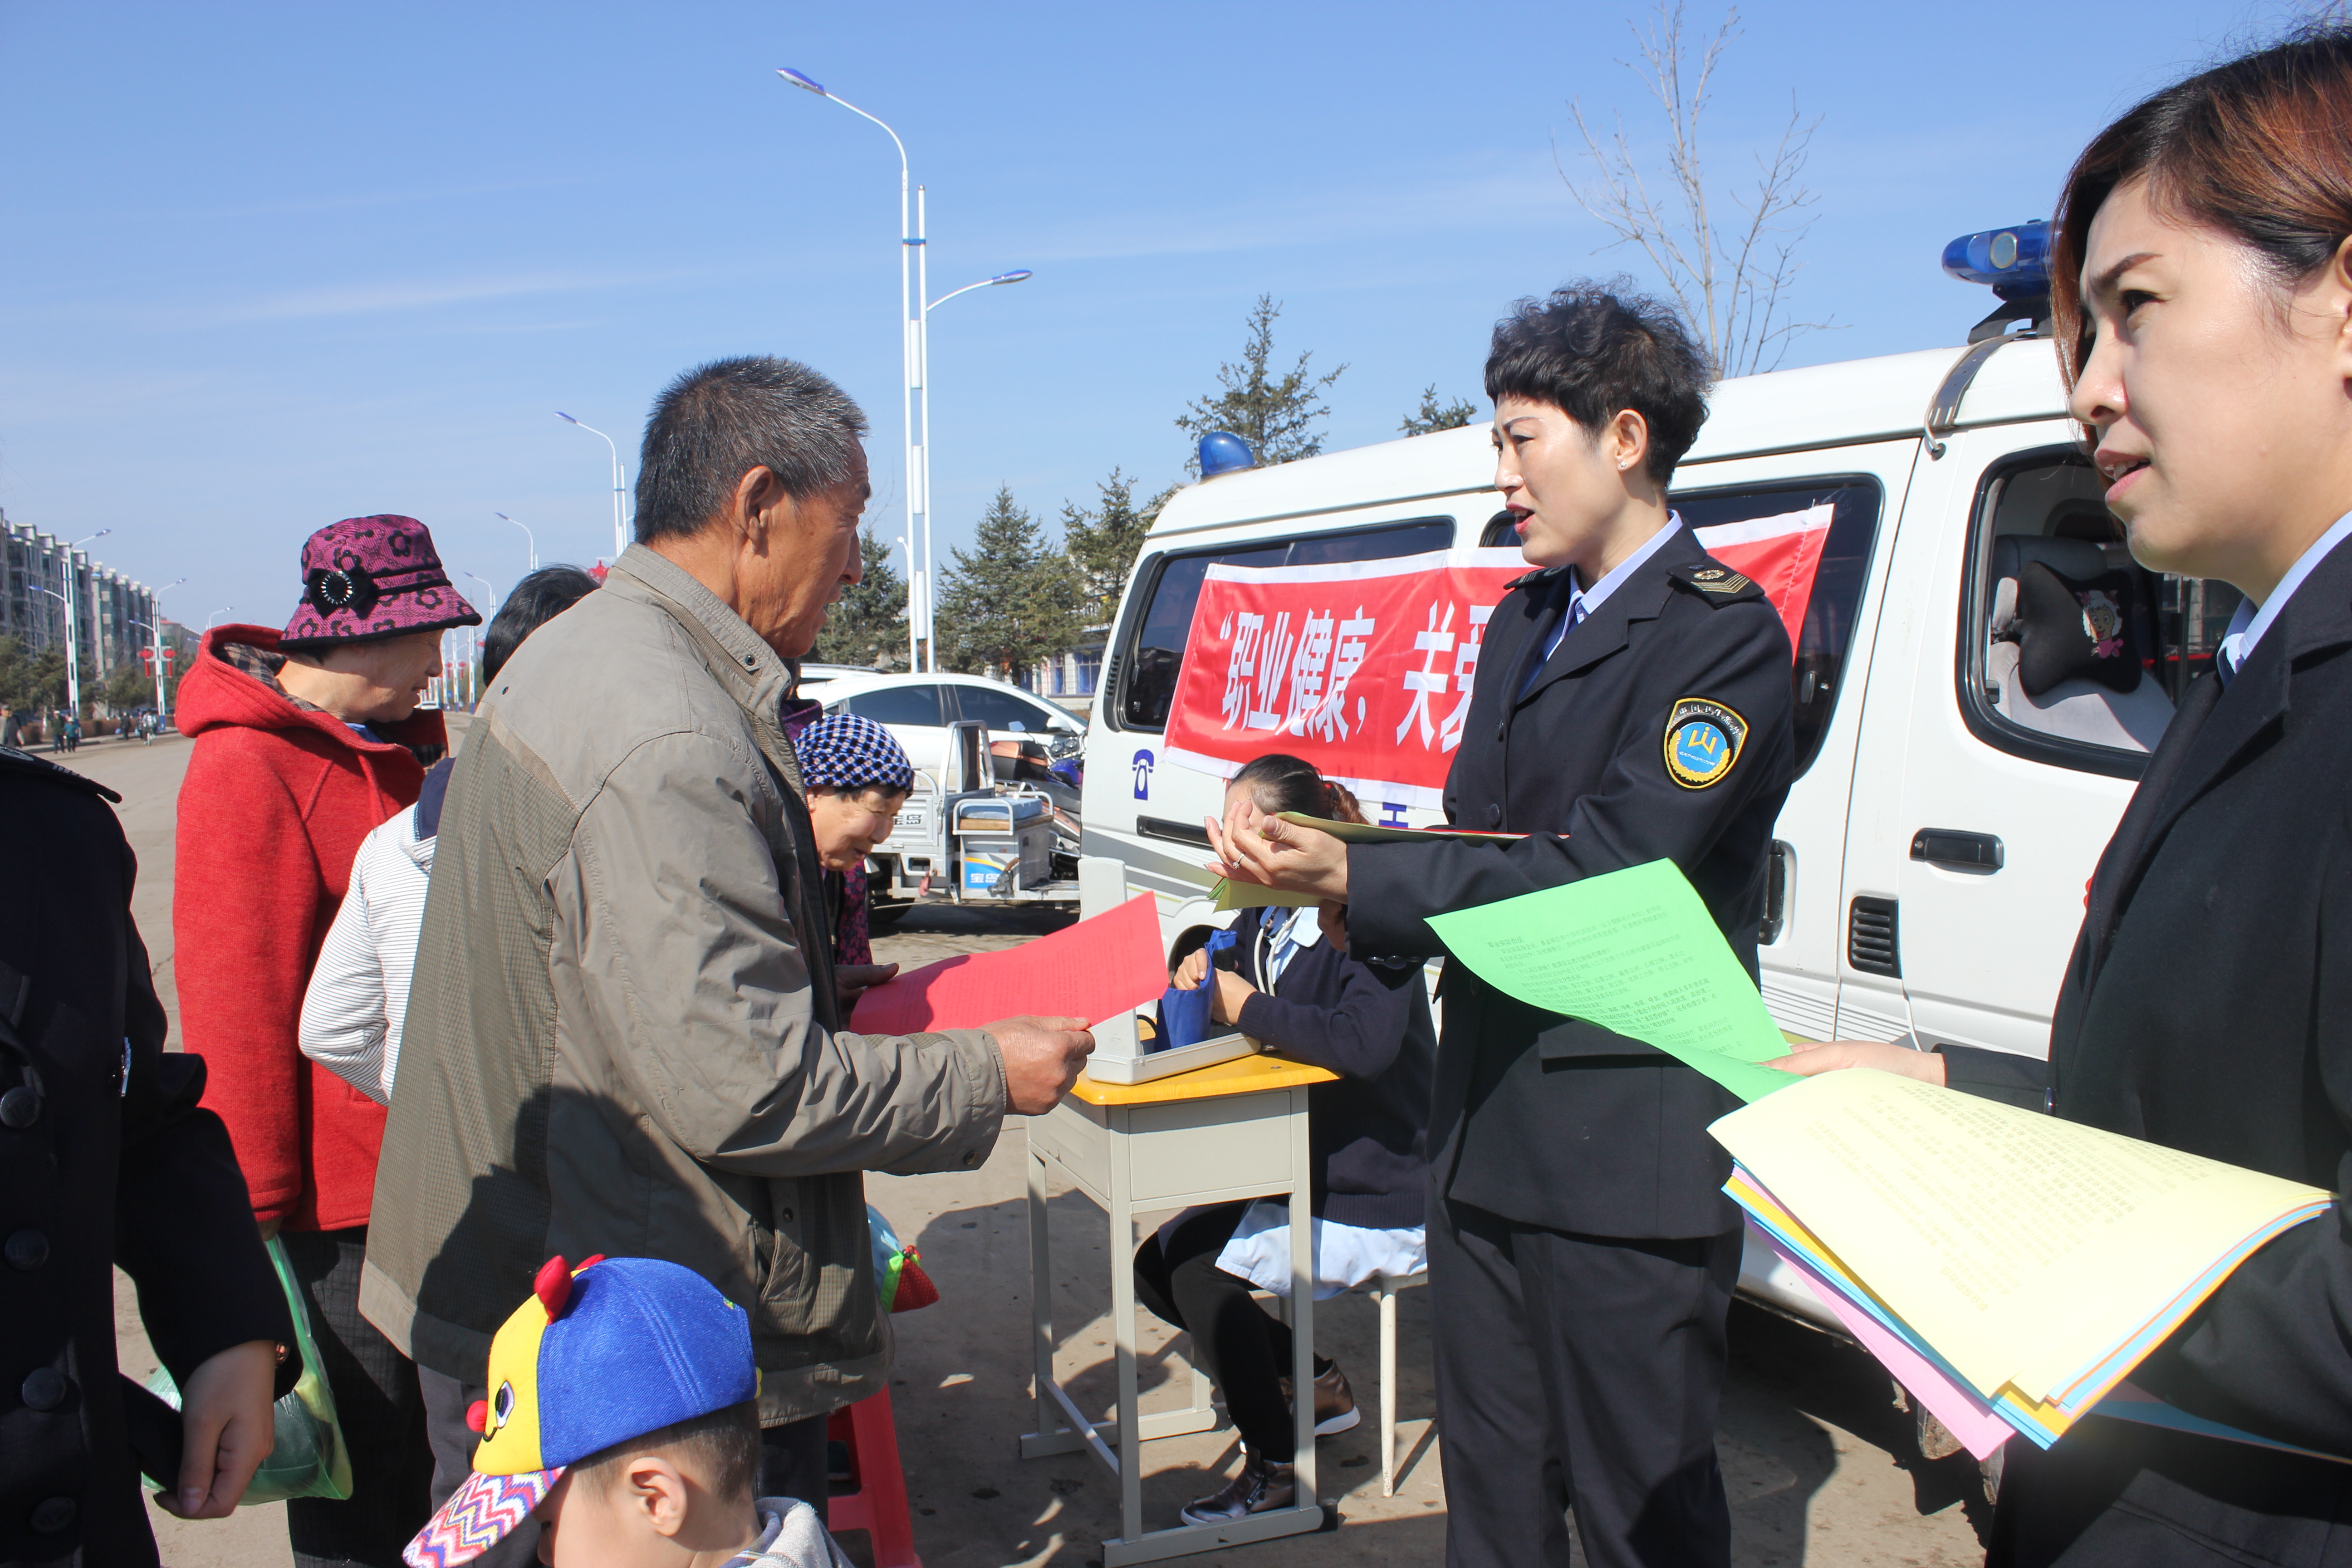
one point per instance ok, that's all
(1821, 1468)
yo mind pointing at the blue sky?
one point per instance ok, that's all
(269, 266)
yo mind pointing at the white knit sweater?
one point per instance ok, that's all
(359, 992)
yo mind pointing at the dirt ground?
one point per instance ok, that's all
(1821, 1466)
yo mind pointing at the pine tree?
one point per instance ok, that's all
(1009, 602)
(128, 687)
(1276, 415)
(32, 682)
(869, 625)
(1102, 543)
(1432, 416)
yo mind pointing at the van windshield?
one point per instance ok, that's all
(1155, 651)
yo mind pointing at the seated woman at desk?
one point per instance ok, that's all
(1292, 991)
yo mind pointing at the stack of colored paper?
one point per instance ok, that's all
(2008, 1268)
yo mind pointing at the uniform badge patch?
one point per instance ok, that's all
(1703, 739)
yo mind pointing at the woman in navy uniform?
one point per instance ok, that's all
(2202, 280)
(106, 1159)
(1633, 704)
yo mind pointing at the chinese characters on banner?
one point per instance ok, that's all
(1365, 668)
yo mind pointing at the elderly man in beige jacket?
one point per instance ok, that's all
(626, 1035)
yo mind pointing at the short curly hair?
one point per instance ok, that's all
(1594, 349)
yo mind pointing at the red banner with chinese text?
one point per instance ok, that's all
(1365, 668)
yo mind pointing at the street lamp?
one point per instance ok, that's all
(620, 540)
(217, 614)
(528, 538)
(156, 629)
(910, 245)
(923, 377)
(72, 596)
(913, 661)
(473, 671)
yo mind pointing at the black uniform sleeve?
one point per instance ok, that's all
(1737, 656)
(2004, 1075)
(1357, 1036)
(2268, 1352)
(184, 1227)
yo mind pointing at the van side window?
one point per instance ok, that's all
(895, 705)
(2072, 652)
(1154, 653)
(1838, 582)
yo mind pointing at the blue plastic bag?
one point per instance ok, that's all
(1184, 1015)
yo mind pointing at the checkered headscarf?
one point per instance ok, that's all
(844, 751)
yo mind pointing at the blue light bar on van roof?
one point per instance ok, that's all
(2014, 261)
(1223, 452)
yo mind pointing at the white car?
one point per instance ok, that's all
(816, 679)
(917, 709)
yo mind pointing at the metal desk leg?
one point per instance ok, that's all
(1302, 1297)
(1040, 1299)
(1122, 1325)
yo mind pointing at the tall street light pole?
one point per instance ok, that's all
(217, 614)
(473, 670)
(620, 540)
(72, 596)
(527, 537)
(923, 379)
(156, 629)
(913, 653)
(910, 323)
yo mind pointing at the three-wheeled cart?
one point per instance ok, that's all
(964, 836)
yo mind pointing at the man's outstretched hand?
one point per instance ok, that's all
(851, 981)
(1043, 1057)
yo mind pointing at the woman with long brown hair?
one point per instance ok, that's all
(2202, 290)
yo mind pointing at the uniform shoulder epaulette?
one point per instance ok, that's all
(22, 764)
(1715, 582)
(1528, 579)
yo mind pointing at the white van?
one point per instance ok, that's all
(1929, 867)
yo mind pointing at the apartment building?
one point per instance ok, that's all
(112, 612)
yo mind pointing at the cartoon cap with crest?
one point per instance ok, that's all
(601, 1354)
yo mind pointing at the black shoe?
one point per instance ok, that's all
(1262, 1487)
(1335, 1402)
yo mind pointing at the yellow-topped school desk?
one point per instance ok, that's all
(1218, 1134)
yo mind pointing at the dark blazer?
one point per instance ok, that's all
(1547, 1120)
(1368, 1023)
(2207, 1007)
(96, 1170)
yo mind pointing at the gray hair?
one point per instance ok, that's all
(718, 421)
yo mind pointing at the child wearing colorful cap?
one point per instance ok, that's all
(624, 1418)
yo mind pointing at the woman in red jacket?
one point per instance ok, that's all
(305, 739)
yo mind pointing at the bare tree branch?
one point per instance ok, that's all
(1733, 287)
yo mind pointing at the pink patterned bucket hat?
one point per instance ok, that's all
(374, 577)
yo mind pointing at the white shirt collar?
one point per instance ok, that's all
(2247, 627)
(1303, 928)
(1591, 597)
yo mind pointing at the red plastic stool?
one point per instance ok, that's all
(877, 1502)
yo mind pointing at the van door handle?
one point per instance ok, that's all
(1951, 847)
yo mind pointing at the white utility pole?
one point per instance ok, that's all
(529, 538)
(910, 323)
(923, 386)
(155, 628)
(620, 538)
